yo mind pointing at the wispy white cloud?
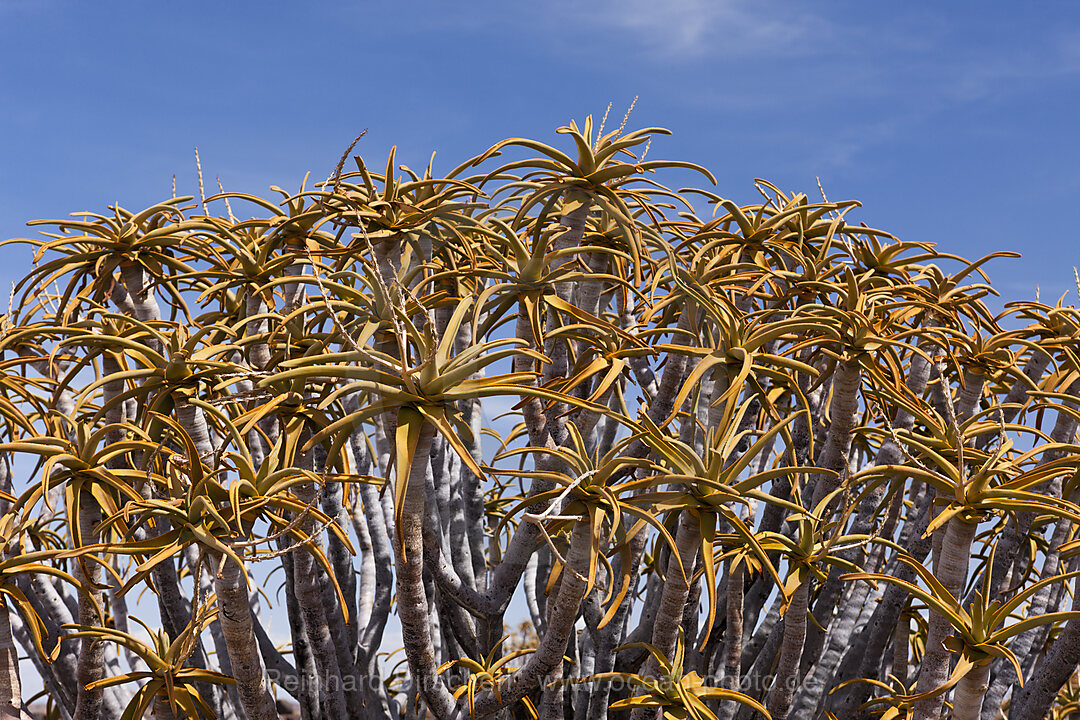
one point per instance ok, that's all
(687, 29)
(1004, 70)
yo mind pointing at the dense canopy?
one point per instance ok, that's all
(722, 460)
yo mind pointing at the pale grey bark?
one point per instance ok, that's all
(733, 639)
(58, 676)
(1054, 602)
(451, 624)
(901, 649)
(867, 651)
(91, 665)
(175, 608)
(1033, 700)
(631, 659)
(346, 636)
(455, 537)
(370, 524)
(952, 573)
(279, 670)
(412, 602)
(54, 612)
(669, 615)
(843, 410)
(193, 420)
(312, 603)
(558, 351)
(118, 605)
(237, 626)
(530, 579)
(818, 665)
(365, 584)
(138, 284)
(229, 709)
(562, 613)
(639, 364)
(970, 395)
(162, 709)
(473, 500)
(62, 692)
(691, 619)
(969, 693)
(756, 653)
(369, 521)
(258, 352)
(1003, 675)
(11, 704)
(785, 677)
(552, 691)
(585, 666)
(303, 657)
(114, 699)
(375, 521)
(609, 637)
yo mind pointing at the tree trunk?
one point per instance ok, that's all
(786, 676)
(867, 649)
(970, 691)
(818, 664)
(673, 598)
(312, 603)
(231, 700)
(10, 682)
(53, 681)
(733, 639)
(307, 692)
(162, 709)
(10, 685)
(91, 665)
(610, 636)
(843, 409)
(563, 612)
(901, 649)
(934, 670)
(244, 656)
(413, 608)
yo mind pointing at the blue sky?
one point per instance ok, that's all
(953, 123)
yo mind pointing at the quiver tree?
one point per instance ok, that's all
(727, 462)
